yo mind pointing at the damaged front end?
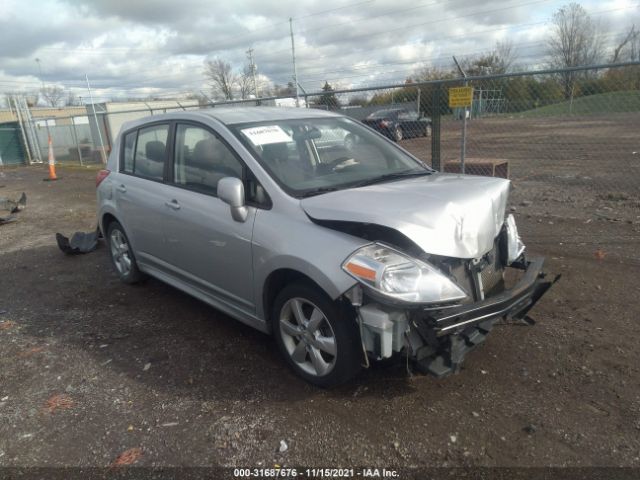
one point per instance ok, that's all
(436, 309)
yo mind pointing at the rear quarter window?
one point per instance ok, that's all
(129, 148)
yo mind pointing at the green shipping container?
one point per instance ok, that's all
(11, 147)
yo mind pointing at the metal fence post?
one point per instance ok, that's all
(463, 142)
(22, 130)
(435, 127)
(75, 138)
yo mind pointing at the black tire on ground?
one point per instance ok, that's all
(397, 134)
(346, 362)
(133, 274)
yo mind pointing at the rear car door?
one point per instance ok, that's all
(205, 246)
(140, 190)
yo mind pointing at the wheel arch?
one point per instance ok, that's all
(276, 281)
(107, 219)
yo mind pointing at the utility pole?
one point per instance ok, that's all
(44, 90)
(293, 55)
(40, 70)
(252, 66)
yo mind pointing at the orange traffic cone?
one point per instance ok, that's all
(52, 163)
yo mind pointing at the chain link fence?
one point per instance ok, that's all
(568, 139)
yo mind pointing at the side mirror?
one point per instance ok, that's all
(231, 192)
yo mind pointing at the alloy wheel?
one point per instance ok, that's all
(120, 252)
(308, 337)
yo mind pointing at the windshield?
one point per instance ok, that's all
(314, 156)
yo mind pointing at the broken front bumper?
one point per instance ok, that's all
(514, 302)
(449, 334)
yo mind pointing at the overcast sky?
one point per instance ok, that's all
(135, 48)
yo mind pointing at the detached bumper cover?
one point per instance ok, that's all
(450, 334)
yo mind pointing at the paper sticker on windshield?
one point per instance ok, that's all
(266, 135)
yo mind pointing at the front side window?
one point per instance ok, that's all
(151, 152)
(311, 156)
(201, 160)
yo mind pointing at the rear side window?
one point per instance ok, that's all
(151, 152)
(129, 146)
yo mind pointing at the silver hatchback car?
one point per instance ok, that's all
(313, 227)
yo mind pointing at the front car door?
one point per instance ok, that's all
(205, 247)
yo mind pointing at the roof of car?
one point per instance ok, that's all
(233, 115)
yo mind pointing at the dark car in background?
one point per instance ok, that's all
(399, 123)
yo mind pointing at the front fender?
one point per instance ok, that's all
(310, 249)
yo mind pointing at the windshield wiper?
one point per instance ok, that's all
(318, 191)
(391, 176)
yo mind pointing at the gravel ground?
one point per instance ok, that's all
(91, 368)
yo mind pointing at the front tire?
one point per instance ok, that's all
(318, 338)
(122, 256)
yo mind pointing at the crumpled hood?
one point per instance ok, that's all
(450, 215)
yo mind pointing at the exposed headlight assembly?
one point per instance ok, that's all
(400, 277)
(515, 247)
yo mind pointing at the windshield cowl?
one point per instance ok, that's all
(392, 176)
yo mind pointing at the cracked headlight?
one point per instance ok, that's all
(515, 247)
(400, 277)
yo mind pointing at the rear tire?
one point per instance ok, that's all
(318, 338)
(121, 253)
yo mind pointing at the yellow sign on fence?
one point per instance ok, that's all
(460, 97)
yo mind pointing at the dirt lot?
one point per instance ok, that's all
(90, 368)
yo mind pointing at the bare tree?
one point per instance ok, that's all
(52, 95)
(627, 49)
(496, 61)
(505, 53)
(426, 74)
(71, 100)
(573, 42)
(245, 83)
(221, 77)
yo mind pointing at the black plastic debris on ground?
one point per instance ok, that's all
(12, 207)
(79, 243)
(8, 219)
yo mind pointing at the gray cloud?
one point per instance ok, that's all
(131, 48)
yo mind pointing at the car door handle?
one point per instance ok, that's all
(173, 204)
(122, 189)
